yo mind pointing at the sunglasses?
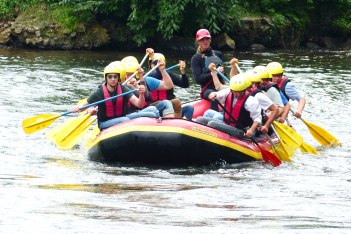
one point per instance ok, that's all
(112, 76)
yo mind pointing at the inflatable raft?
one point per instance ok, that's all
(170, 141)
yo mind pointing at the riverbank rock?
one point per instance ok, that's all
(223, 42)
(32, 32)
(5, 32)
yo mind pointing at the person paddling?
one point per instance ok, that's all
(115, 111)
(199, 65)
(287, 87)
(181, 80)
(240, 104)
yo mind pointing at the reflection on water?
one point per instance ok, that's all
(47, 190)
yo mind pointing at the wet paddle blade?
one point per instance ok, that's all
(52, 133)
(306, 148)
(92, 136)
(76, 136)
(71, 128)
(81, 102)
(269, 157)
(284, 151)
(321, 135)
(288, 151)
(38, 122)
(288, 135)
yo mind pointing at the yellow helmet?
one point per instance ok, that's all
(262, 72)
(275, 68)
(159, 56)
(131, 67)
(249, 75)
(116, 67)
(129, 59)
(252, 76)
(237, 83)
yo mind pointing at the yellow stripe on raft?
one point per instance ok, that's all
(195, 132)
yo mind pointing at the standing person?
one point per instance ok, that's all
(115, 111)
(241, 105)
(181, 80)
(287, 87)
(200, 62)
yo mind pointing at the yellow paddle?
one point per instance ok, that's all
(92, 136)
(71, 128)
(283, 155)
(304, 147)
(321, 135)
(288, 135)
(36, 123)
(77, 134)
(64, 127)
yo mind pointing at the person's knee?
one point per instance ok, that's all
(188, 111)
(168, 110)
(177, 107)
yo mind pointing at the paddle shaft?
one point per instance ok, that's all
(102, 101)
(167, 69)
(223, 76)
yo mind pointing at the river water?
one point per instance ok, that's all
(47, 190)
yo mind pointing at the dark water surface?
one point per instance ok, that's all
(47, 190)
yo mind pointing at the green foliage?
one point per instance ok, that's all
(144, 19)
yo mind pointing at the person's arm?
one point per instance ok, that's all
(294, 94)
(253, 107)
(180, 80)
(284, 116)
(300, 107)
(201, 77)
(139, 102)
(166, 83)
(217, 83)
(233, 70)
(271, 117)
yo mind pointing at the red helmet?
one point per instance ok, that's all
(202, 33)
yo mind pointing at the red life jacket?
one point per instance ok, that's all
(282, 85)
(238, 111)
(159, 95)
(113, 111)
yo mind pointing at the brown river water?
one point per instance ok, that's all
(47, 190)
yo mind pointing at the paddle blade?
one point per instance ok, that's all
(306, 148)
(71, 128)
(288, 135)
(38, 122)
(81, 102)
(284, 151)
(52, 133)
(321, 135)
(92, 136)
(269, 157)
(75, 137)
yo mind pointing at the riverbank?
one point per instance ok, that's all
(30, 29)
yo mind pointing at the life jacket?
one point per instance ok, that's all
(238, 111)
(160, 95)
(254, 92)
(213, 58)
(282, 85)
(113, 110)
(266, 88)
